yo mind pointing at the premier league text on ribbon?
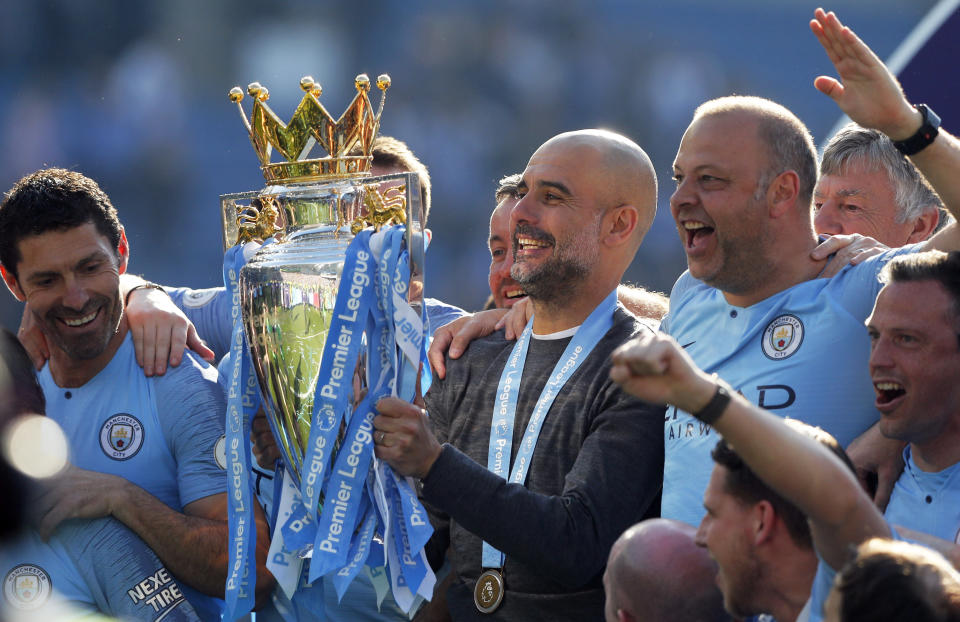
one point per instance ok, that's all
(331, 542)
(332, 389)
(302, 228)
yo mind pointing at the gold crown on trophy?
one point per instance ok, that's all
(348, 140)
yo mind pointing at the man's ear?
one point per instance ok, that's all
(764, 518)
(123, 251)
(12, 284)
(619, 225)
(924, 225)
(783, 192)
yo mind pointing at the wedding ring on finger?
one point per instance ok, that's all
(380, 436)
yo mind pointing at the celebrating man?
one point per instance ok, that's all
(144, 450)
(868, 187)
(536, 545)
(751, 307)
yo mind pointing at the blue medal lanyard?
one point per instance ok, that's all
(499, 452)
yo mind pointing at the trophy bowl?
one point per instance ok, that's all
(288, 288)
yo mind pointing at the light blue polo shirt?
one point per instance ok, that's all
(161, 433)
(94, 565)
(927, 502)
(800, 353)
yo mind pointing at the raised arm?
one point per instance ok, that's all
(656, 369)
(871, 96)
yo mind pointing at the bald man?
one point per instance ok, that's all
(635, 569)
(582, 459)
(506, 292)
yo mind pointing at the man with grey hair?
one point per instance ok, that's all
(868, 187)
(751, 307)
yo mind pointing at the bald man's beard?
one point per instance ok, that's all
(556, 278)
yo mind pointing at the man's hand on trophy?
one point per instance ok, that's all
(402, 437)
(264, 447)
(33, 339)
(160, 331)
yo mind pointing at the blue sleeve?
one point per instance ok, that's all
(822, 582)
(125, 577)
(440, 313)
(857, 286)
(209, 310)
(192, 411)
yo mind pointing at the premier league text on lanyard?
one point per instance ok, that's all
(505, 408)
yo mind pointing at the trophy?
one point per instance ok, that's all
(311, 208)
(328, 252)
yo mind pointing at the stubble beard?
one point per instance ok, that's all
(559, 276)
(84, 347)
(739, 599)
(745, 261)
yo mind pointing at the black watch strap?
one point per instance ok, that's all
(715, 407)
(924, 136)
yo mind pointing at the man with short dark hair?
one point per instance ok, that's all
(144, 450)
(760, 541)
(914, 364)
(504, 291)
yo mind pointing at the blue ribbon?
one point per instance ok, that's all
(505, 408)
(360, 548)
(345, 493)
(243, 399)
(371, 299)
(334, 385)
(409, 526)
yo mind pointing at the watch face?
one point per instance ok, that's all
(930, 117)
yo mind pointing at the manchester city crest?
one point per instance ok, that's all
(121, 436)
(27, 586)
(782, 337)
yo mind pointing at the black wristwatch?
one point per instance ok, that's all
(924, 136)
(715, 407)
